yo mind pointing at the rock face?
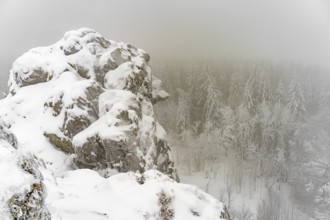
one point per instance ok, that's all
(109, 122)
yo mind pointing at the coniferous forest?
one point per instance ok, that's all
(252, 127)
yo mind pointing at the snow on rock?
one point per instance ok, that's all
(75, 102)
(22, 192)
(66, 80)
(7, 136)
(158, 94)
(87, 102)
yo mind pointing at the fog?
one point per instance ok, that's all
(252, 128)
(292, 30)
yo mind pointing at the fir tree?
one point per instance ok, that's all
(266, 94)
(247, 101)
(322, 212)
(296, 99)
(228, 128)
(212, 95)
(280, 93)
(236, 89)
(183, 111)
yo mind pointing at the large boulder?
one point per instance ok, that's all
(99, 100)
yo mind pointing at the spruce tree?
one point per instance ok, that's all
(296, 99)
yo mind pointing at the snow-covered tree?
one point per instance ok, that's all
(261, 86)
(296, 99)
(323, 201)
(229, 139)
(244, 130)
(266, 94)
(195, 79)
(280, 93)
(266, 121)
(236, 89)
(325, 97)
(212, 97)
(247, 101)
(183, 110)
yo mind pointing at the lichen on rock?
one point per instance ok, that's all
(62, 143)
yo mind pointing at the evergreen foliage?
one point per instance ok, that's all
(260, 114)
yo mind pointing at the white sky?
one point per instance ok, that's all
(291, 30)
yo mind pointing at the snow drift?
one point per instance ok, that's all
(87, 102)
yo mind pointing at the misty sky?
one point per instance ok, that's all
(292, 30)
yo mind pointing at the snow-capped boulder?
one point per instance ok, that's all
(86, 74)
(158, 94)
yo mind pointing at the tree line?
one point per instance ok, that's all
(273, 116)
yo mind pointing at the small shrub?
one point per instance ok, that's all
(165, 202)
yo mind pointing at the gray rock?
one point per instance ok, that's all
(8, 136)
(31, 77)
(61, 143)
(138, 147)
(100, 154)
(73, 123)
(30, 205)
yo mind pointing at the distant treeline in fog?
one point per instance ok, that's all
(263, 120)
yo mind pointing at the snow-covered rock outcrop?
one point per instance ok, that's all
(87, 102)
(99, 99)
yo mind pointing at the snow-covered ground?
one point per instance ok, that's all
(243, 201)
(83, 194)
